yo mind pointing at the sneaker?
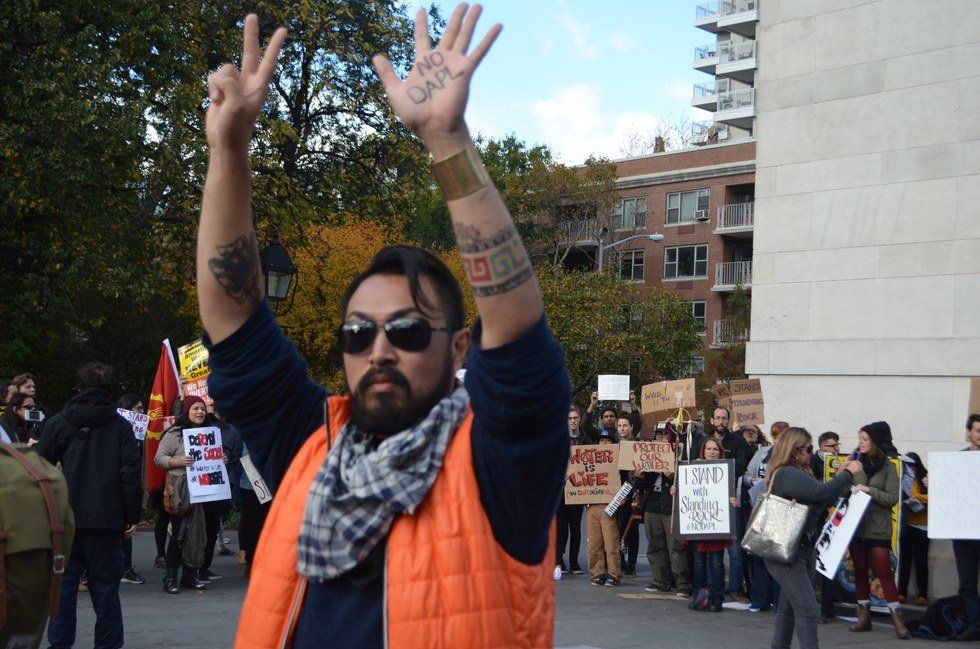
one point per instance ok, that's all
(160, 562)
(557, 573)
(598, 580)
(754, 609)
(208, 576)
(652, 588)
(612, 581)
(576, 570)
(130, 577)
(193, 583)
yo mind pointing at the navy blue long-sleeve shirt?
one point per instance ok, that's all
(519, 394)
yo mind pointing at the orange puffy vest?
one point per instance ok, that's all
(448, 583)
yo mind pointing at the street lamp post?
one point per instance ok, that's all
(280, 273)
(602, 248)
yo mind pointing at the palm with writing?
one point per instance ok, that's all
(432, 100)
(237, 95)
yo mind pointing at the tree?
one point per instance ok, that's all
(674, 130)
(726, 362)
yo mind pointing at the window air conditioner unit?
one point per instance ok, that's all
(701, 215)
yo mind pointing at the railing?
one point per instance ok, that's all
(706, 10)
(736, 99)
(736, 215)
(575, 231)
(732, 52)
(706, 52)
(711, 88)
(733, 273)
(723, 334)
(731, 7)
(701, 132)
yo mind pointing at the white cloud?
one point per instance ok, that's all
(573, 123)
(579, 30)
(622, 42)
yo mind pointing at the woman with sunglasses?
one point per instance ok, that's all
(14, 420)
(871, 546)
(789, 476)
(375, 488)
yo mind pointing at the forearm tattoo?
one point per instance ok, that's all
(237, 269)
(495, 264)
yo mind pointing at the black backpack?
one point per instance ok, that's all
(944, 619)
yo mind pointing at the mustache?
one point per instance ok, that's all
(389, 374)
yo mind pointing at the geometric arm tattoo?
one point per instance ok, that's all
(237, 269)
(495, 264)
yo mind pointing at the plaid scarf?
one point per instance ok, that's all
(358, 492)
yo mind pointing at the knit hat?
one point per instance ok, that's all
(185, 405)
(879, 432)
(605, 434)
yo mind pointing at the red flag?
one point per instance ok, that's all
(166, 388)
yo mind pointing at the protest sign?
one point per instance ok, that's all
(702, 507)
(954, 495)
(259, 486)
(723, 395)
(647, 456)
(592, 475)
(831, 465)
(194, 369)
(660, 401)
(838, 532)
(207, 478)
(138, 420)
(746, 399)
(614, 387)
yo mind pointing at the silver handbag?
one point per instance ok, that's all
(775, 527)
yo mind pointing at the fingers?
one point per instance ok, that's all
(452, 29)
(466, 32)
(214, 92)
(484, 46)
(250, 44)
(423, 45)
(386, 73)
(228, 81)
(271, 57)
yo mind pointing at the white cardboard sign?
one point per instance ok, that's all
(138, 420)
(954, 495)
(702, 507)
(838, 532)
(614, 387)
(259, 486)
(207, 478)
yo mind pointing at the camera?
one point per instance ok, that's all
(34, 415)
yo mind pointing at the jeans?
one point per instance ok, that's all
(667, 555)
(569, 531)
(967, 554)
(709, 571)
(100, 554)
(735, 557)
(765, 590)
(797, 602)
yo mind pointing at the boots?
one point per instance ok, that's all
(863, 618)
(900, 631)
(191, 580)
(170, 583)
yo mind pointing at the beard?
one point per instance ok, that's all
(385, 414)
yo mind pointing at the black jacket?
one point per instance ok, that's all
(736, 448)
(100, 459)
(656, 502)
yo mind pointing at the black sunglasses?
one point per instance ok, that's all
(808, 448)
(409, 334)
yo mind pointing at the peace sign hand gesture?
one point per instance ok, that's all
(432, 100)
(237, 95)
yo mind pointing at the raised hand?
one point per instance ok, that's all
(432, 100)
(237, 95)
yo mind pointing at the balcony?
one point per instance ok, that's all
(736, 219)
(724, 335)
(708, 133)
(578, 232)
(706, 58)
(739, 16)
(706, 16)
(737, 60)
(705, 93)
(736, 107)
(730, 274)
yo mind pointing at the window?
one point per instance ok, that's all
(686, 262)
(631, 265)
(630, 214)
(683, 207)
(699, 312)
(697, 364)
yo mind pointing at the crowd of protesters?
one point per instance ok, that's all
(801, 598)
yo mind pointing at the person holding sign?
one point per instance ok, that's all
(569, 530)
(605, 565)
(872, 542)
(789, 476)
(967, 555)
(170, 456)
(375, 489)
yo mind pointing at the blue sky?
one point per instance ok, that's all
(579, 75)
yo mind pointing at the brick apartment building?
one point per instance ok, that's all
(702, 201)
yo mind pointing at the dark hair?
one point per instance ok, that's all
(972, 419)
(98, 377)
(704, 447)
(10, 418)
(127, 401)
(728, 412)
(18, 400)
(828, 435)
(917, 467)
(414, 263)
(603, 411)
(21, 379)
